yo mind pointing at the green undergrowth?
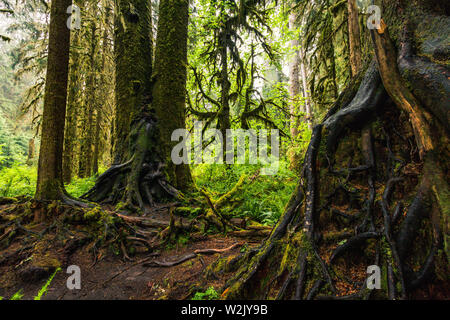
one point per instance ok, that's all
(20, 180)
(262, 198)
(209, 294)
(80, 186)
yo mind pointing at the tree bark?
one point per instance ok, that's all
(49, 182)
(73, 110)
(86, 150)
(303, 73)
(31, 151)
(294, 76)
(96, 156)
(169, 92)
(133, 51)
(354, 37)
(100, 107)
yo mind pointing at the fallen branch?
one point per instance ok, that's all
(189, 256)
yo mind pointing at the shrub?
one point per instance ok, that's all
(20, 180)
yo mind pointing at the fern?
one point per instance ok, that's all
(209, 294)
(44, 289)
(17, 296)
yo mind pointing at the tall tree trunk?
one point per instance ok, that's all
(73, 97)
(354, 37)
(142, 180)
(294, 76)
(223, 118)
(86, 151)
(31, 151)
(169, 93)
(133, 57)
(49, 182)
(303, 73)
(99, 117)
(332, 70)
(96, 155)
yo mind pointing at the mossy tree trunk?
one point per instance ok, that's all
(103, 80)
(354, 37)
(133, 51)
(303, 74)
(95, 157)
(49, 182)
(145, 122)
(72, 111)
(294, 78)
(169, 92)
(31, 151)
(223, 117)
(374, 185)
(86, 148)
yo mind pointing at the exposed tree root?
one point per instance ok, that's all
(430, 79)
(140, 185)
(75, 227)
(140, 182)
(297, 261)
(370, 95)
(189, 256)
(352, 243)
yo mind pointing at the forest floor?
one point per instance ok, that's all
(113, 278)
(26, 268)
(28, 262)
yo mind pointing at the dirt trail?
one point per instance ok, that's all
(112, 278)
(31, 251)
